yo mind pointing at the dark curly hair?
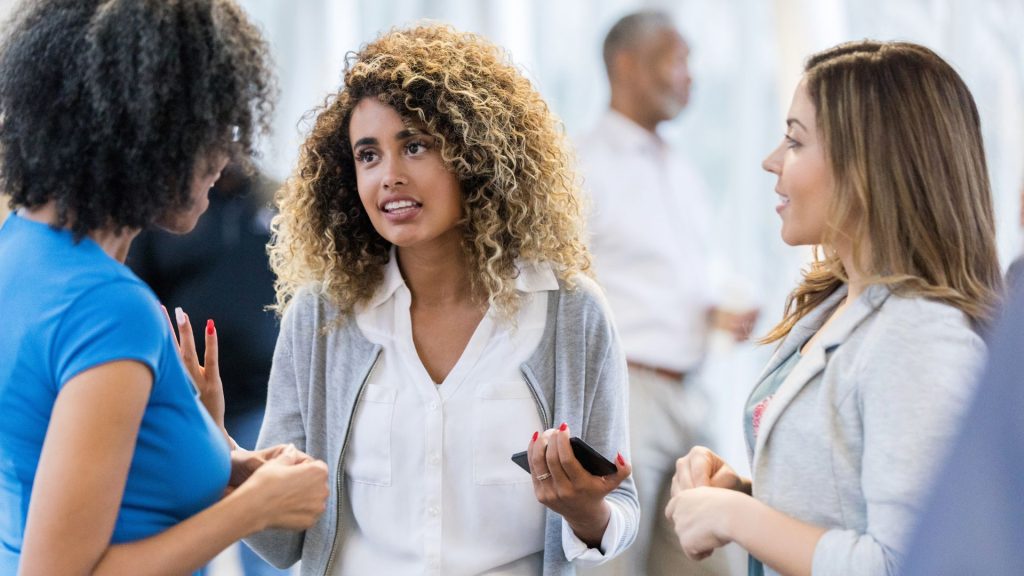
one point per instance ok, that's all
(520, 190)
(106, 106)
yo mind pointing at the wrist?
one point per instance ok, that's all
(250, 512)
(590, 527)
(740, 513)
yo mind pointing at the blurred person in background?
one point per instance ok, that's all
(437, 318)
(649, 231)
(221, 270)
(882, 168)
(117, 115)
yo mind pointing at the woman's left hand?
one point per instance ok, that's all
(206, 376)
(703, 518)
(561, 484)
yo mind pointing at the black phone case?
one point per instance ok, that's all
(590, 459)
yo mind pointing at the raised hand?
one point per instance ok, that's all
(206, 376)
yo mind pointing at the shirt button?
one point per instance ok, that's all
(433, 511)
(434, 459)
(433, 406)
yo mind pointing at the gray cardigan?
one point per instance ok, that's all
(577, 375)
(853, 435)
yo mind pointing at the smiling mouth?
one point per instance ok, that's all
(400, 206)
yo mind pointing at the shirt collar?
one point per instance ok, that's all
(629, 135)
(532, 277)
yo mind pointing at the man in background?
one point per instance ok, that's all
(221, 271)
(649, 229)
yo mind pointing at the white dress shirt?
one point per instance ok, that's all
(431, 486)
(649, 229)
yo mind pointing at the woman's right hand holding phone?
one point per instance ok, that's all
(289, 490)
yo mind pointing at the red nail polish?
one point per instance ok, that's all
(563, 427)
(535, 434)
(209, 327)
(618, 456)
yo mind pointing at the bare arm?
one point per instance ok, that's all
(82, 474)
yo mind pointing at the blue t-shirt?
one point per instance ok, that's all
(66, 308)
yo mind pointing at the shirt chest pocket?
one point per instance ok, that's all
(505, 417)
(369, 449)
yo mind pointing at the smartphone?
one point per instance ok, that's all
(590, 459)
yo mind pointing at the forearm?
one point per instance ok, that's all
(187, 546)
(780, 541)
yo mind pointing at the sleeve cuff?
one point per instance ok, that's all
(577, 551)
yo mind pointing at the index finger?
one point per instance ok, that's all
(568, 464)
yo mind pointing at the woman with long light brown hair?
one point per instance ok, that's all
(883, 170)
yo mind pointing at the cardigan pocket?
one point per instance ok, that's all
(369, 459)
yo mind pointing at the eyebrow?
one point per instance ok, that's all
(791, 121)
(401, 135)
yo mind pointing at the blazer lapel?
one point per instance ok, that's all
(814, 361)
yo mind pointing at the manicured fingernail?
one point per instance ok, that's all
(179, 315)
(563, 427)
(535, 434)
(618, 456)
(209, 327)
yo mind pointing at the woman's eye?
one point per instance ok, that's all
(790, 143)
(416, 147)
(366, 156)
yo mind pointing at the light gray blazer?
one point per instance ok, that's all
(854, 433)
(577, 375)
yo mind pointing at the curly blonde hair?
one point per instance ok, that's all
(497, 135)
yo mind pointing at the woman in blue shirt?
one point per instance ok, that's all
(118, 115)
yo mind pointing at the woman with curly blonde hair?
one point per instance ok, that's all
(437, 316)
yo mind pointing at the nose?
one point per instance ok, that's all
(773, 162)
(394, 175)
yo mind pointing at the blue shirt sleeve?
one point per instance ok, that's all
(118, 320)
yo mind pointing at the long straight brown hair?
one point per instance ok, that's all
(903, 138)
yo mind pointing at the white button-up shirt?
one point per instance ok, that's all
(649, 228)
(430, 483)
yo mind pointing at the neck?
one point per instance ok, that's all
(437, 275)
(632, 109)
(116, 245)
(855, 283)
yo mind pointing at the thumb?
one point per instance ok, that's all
(701, 469)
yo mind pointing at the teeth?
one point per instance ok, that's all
(398, 205)
(783, 199)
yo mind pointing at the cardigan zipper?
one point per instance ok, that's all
(340, 478)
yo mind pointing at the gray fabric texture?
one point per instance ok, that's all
(578, 375)
(853, 436)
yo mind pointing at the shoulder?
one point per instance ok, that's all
(581, 300)
(915, 319)
(922, 340)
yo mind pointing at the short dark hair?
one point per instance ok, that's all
(107, 105)
(629, 30)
